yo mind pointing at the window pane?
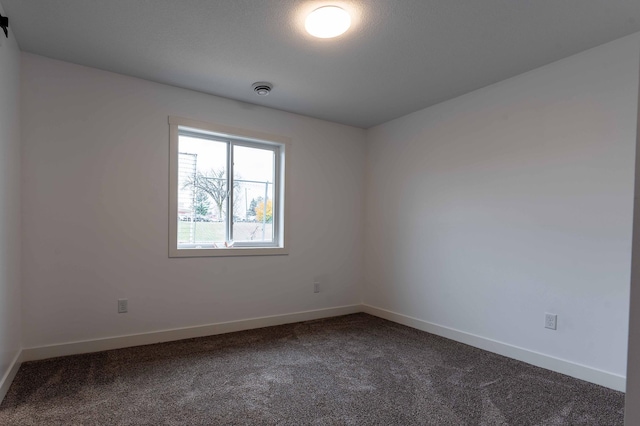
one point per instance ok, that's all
(202, 192)
(253, 194)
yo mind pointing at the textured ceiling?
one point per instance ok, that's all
(398, 57)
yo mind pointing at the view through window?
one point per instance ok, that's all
(228, 192)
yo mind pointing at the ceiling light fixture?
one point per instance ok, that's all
(327, 22)
(262, 88)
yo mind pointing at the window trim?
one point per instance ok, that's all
(242, 137)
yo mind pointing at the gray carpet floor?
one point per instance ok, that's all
(350, 370)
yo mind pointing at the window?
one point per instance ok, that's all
(226, 191)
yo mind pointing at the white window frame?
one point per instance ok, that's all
(234, 137)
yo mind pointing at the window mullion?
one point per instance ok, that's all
(230, 192)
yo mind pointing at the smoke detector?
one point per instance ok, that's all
(262, 88)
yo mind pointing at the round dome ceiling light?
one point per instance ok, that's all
(327, 22)
(262, 88)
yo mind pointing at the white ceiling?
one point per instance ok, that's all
(398, 57)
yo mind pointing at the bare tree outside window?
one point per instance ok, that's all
(214, 184)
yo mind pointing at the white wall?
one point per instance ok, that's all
(632, 408)
(95, 211)
(10, 318)
(486, 211)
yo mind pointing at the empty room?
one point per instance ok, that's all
(309, 212)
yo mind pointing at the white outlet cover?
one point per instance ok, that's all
(551, 321)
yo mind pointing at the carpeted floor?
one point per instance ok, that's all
(351, 370)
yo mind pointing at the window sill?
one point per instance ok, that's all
(230, 251)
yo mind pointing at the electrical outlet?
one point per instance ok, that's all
(551, 321)
(319, 281)
(123, 306)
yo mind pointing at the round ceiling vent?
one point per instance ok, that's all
(262, 88)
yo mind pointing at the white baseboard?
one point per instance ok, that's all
(8, 377)
(97, 345)
(589, 374)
